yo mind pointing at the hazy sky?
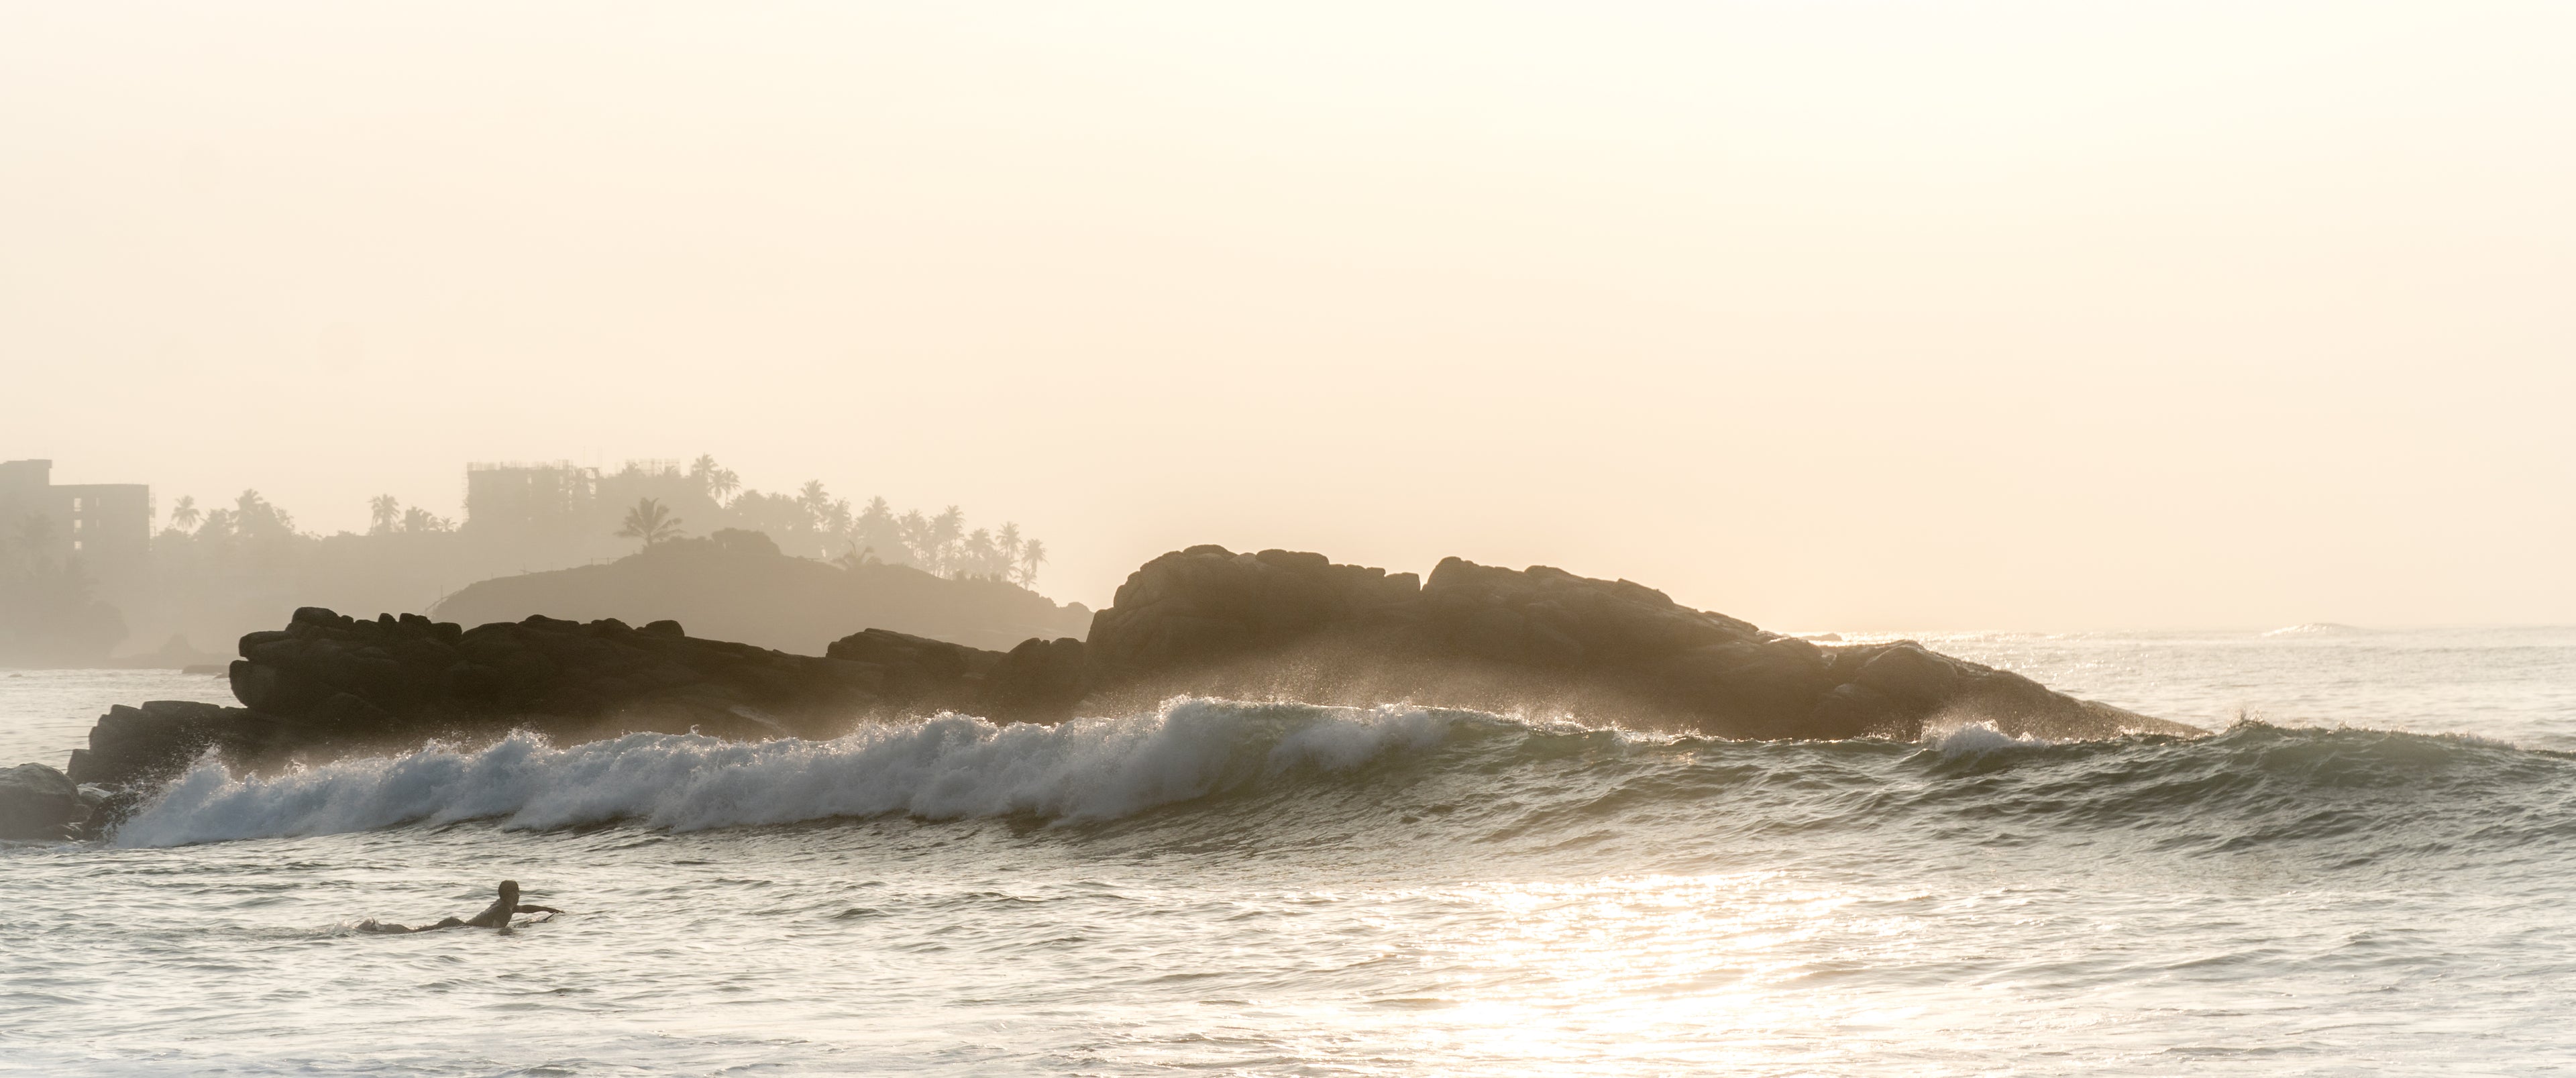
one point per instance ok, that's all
(1825, 314)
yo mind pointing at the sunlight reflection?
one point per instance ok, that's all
(1570, 977)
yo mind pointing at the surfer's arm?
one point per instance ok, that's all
(538, 909)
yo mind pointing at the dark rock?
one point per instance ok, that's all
(328, 685)
(107, 807)
(1856, 710)
(276, 685)
(1482, 636)
(346, 714)
(1907, 672)
(936, 659)
(927, 674)
(38, 802)
(1039, 681)
(1275, 624)
(152, 742)
(1207, 604)
(318, 616)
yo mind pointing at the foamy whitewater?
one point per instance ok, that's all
(2362, 873)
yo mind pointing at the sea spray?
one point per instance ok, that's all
(1271, 772)
(947, 767)
(1977, 739)
(1456, 893)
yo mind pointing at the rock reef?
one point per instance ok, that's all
(1274, 624)
(329, 684)
(38, 802)
(1481, 636)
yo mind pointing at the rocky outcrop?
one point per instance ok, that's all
(1038, 681)
(932, 674)
(1272, 625)
(161, 737)
(329, 684)
(38, 802)
(1476, 635)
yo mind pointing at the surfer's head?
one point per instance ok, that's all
(509, 890)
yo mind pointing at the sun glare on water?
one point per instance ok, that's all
(1621, 972)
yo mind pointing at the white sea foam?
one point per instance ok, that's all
(1977, 739)
(949, 767)
(2318, 628)
(1510, 898)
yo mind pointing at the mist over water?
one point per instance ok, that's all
(814, 328)
(1273, 888)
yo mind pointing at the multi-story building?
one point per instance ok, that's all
(104, 526)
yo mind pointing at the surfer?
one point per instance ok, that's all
(497, 915)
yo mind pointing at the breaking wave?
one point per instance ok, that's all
(949, 767)
(1238, 768)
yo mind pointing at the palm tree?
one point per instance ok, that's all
(254, 516)
(816, 502)
(945, 530)
(650, 521)
(915, 530)
(1007, 546)
(978, 555)
(185, 515)
(719, 482)
(384, 511)
(1031, 553)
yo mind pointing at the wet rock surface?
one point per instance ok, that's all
(1479, 635)
(38, 803)
(328, 685)
(1273, 624)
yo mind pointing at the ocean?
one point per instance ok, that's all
(2363, 870)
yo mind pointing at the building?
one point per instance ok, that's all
(104, 526)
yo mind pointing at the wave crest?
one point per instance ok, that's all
(1978, 739)
(949, 767)
(1269, 772)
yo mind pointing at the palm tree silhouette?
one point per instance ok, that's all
(255, 516)
(384, 511)
(719, 482)
(945, 530)
(1031, 554)
(185, 515)
(816, 502)
(650, 521)
(1007, 546)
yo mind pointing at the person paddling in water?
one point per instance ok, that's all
(496, 915)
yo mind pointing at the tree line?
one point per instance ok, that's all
(218, 570)
(811, 521)
(652, 504)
